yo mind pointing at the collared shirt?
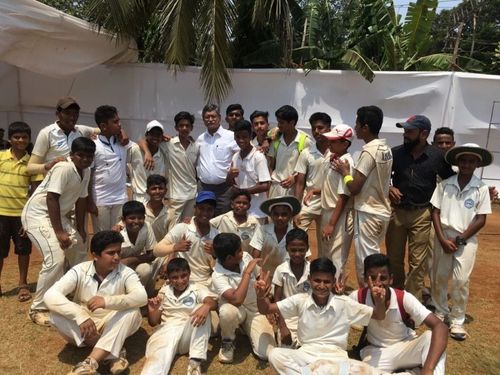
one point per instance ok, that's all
(459, 207)
(216, 152)
(121, 290)
(265, 241)
(310, 164)
(324, 326)
(224, 280)
(52, 142)
(110, 171)
(181, 164)
(285, 278)
(252, 170)
(333, 183)
(375, 163)
(145, 242)
(62, 179)
(226, 223)
(392, 330)
(416, 178)
(176, 311)
(159, 223)
(201, 263)
(14, 183)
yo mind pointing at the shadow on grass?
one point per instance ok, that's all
(13, 291)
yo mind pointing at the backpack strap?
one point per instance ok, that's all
(407, 320)
(362, 293)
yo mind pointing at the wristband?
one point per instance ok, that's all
(348, 179)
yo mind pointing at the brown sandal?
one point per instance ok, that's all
(23, 293)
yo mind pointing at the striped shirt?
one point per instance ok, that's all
(14, 183)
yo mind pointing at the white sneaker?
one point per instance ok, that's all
(458, 332)
(87, 367)
(120, 364)
(226, 352)
(194, 367)
(40, 317)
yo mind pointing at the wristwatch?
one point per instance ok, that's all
(460, 241)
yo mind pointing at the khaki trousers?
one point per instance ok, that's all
(412, 227)
(307, 217)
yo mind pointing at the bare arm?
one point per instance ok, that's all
(300, 183)
(261, 187)
(337, 212)
(80, 211)
(54, 211)
(237, 296)
(439, 340)
(475, 226)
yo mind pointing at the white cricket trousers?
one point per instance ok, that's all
(180, 209)
(108, 216)
(170, 340)
(256, 326)
(403, 355)
(337, 247)
(114, 328)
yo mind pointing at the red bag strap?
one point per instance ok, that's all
(407, 320)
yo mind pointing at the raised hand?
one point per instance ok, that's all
(377, 291)
(154, 304)
(341, 166)
(341, 283)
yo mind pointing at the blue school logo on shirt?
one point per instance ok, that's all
(189, 301)
(469, 203)
(306, 286)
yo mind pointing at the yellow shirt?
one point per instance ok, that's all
(14, 183)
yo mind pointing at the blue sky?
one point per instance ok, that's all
(402, 5)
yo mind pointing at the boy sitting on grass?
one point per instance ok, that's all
(183, 310)
(233, 279)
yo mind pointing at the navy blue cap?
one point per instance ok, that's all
(205, 195)
(416, 122)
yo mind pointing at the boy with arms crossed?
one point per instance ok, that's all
(104, 309)
(45, 219)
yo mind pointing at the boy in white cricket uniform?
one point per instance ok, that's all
(461, 204)
(285, 152)
(369, 186)
(156, 212)
(391, 343)
(310, 175)
(336, 205)
(183, 310)
(45, 219)
(104, 308)
(234, 277)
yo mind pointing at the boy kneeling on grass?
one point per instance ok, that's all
(104, 310)
(183, 310)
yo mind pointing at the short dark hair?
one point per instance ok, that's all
(210, 108)
(226, 244)
(155, 179)
(235, 107)
(322, 264)
(103, 239)
(133, 208)
(255, 114)
(376, 260)
(321, 116)
(372, 116)
(287, 113)
(297, 234)
(444, 130)
(243, 125)
(184, 116)
(82, 144)
(178, 264)
(18, 127)
(240, 192)
(104, 113)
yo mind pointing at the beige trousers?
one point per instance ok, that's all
(179, 209)
(307, 217)
(107, 217)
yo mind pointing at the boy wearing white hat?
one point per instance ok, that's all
(460, 205)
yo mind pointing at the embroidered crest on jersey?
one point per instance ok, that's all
(188, 301)
(469, 203)
(306, 286)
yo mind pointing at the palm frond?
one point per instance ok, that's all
(417, 26)
(437, 61)
(356, 61)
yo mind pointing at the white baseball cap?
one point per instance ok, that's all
(154, 124)
(340, 131)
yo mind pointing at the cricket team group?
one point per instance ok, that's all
(220, 224)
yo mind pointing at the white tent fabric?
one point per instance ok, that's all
(44, 40)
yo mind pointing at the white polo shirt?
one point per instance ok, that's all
(252, 170)
(139, 174)
(392, 330)
(51, 141)
(176, 311)
(145, 242)
(459, 207)
(110, 171)
(311, 165)
(121, 290)
(224, 280)
(226, 223)
(216, 153)
(181, 165)
(62, 179)
(285, 278)
(333, 183)
(265, 241)
(324, 326)
(201, 263)
(159, 223)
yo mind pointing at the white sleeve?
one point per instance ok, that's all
(289, 307)
(220, 283)
(41, 144)
(61, 173)
(437, 196)
(278, 276)
(257, 241)
(301, 165)
(150, 240)
(415, 309)
(262, 169)
(135, 294)
(484, 205)
(357, 313)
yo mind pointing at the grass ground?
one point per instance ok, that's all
(29, 349)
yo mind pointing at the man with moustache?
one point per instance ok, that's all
(414, 170)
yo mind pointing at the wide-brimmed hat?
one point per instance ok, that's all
(483, 154)
(286, 200)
